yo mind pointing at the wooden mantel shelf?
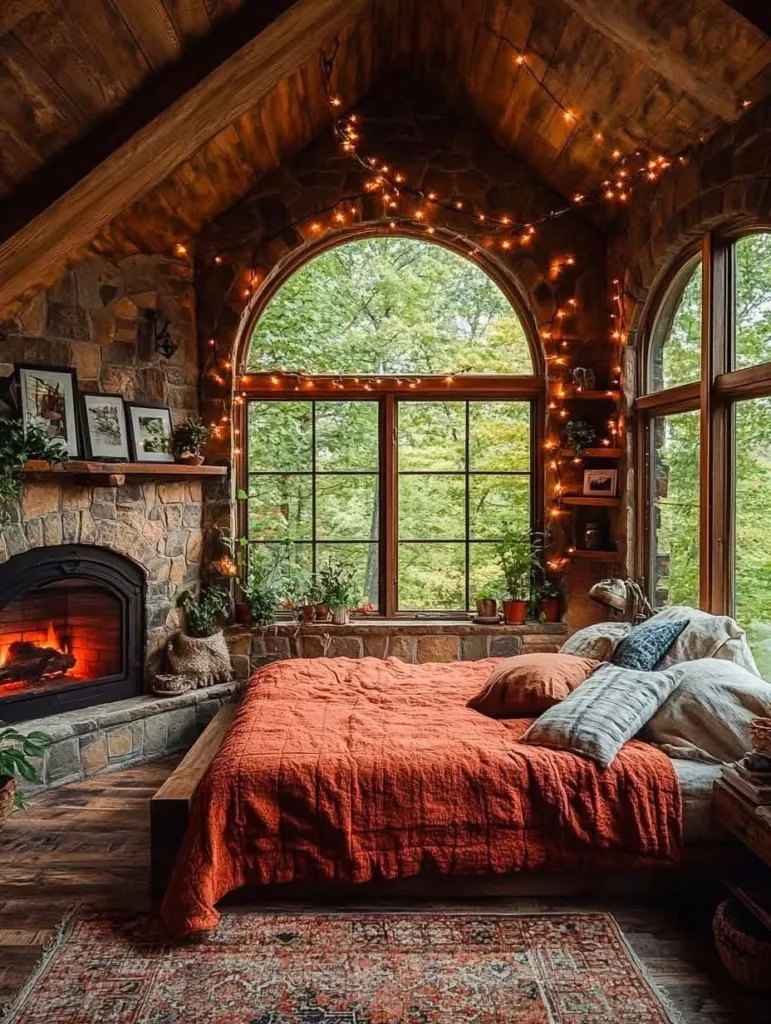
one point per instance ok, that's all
(113, 474)
(580, 499)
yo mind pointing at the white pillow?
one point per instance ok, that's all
(597, 642)
(708, 716)
(706, 636)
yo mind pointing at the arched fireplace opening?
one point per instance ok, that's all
(72, 630)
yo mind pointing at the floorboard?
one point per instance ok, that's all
(89, 843)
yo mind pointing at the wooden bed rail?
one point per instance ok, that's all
(170, 806)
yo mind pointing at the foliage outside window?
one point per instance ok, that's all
(676, 347)
(314, 469)
(752, 310)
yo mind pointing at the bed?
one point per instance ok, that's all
(341, 770)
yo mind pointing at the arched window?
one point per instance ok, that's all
(390, 421)
(713, 440)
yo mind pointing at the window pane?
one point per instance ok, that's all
(499, 435)
(362, 557)
(432, 507)
(346, 435)
(752, 278)
(432, 435)
(293, 561)
(390, 305)
(676, 348)
(674, 478)
(752, 579)
(280, 436)
(432, 577)
(280, 508)
(346, 507)
(498, 502)
(485, 571)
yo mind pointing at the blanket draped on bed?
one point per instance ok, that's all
(353, 770)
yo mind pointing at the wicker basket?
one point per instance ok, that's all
(743, 945)
(170, 686)
(7, 797)
(760, 734)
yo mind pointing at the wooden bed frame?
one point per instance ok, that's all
(170, 812)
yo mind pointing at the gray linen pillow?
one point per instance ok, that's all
(601, 714)
(597, 642)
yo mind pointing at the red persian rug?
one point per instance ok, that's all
(262, 968)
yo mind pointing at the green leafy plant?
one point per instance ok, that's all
(191, 436)
(339, 586)
(16, 749)
(203, 612)
(489, 592)
(263, 590)
(20, 443)
(578, 435)
(519, 553)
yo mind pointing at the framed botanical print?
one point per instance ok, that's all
(150, 430)
(48, 397)
(105, 430)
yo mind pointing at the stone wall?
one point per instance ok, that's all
(725, 184)
(413, 642)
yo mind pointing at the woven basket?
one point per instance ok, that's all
(7, 797)
(204, 660)
(760, 734)
(743, 945)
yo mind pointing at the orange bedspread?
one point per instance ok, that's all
(360, 769)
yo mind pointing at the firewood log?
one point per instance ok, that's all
(28, 661)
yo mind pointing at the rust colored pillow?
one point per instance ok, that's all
(528, 684)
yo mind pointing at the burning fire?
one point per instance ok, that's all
(48, 640)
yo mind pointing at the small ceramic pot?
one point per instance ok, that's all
(190, 459)
(170, 685)
(487, 607)
(340, 616)
(307, 612)
(321, 613)
(549, 609)
(514, 612)
(7, 797)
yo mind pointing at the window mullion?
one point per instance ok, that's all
(389, 507)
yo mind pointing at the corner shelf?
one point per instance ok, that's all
(580, 499)
(594, 453)
(113, 474)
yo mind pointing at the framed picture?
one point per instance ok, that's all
(105, 432)
(48, 395)
(600, 483)
(150, 431)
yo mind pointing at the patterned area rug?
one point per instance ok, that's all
(262, 968)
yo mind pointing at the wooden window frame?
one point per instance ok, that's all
(387, 392)
(715, 396)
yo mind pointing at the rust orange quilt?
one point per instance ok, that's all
(351, 770)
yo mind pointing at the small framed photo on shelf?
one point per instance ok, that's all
(600, 483)
(150, 431)
(105, 430)
(48, 396)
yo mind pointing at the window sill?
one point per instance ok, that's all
(422, 627)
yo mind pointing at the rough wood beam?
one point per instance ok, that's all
(156, 149)
(14, 11)
(756, 12)
(635, 35)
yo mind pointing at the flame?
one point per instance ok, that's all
(52, 640)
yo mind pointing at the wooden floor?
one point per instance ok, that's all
(88, 843)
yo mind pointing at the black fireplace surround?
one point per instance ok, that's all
(112, 614)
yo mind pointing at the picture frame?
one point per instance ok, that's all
(48, 395)
(150, 432)
(600, 483)
(105, 427)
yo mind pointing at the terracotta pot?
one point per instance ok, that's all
(189, 459)
(7, 797)
(243, 613)
(321, 613)
(514, 612)
(307, 611)
(549, 608)
(340, 616)
(487, 607)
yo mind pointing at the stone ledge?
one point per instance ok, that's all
(388, 627)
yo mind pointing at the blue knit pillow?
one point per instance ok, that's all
(646, 644)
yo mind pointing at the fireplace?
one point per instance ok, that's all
(72, 630)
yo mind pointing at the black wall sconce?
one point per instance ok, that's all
(160, 333)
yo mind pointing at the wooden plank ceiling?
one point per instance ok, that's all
(640, 73)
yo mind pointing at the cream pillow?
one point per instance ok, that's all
(597, 642)
(706, 636)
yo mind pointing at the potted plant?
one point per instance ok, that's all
(578, 435)
(311, 599)
(20, 443)
(199, 650)
(16, 749)
(262, 589)
(518, 553)
(486, 601)
(190, 439)
(339, 589)
(548, 600)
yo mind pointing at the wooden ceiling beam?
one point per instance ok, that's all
(632, 33)
(756, 12)
(145, 159)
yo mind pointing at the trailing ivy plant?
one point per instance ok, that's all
(16, 751)
(19, 443)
